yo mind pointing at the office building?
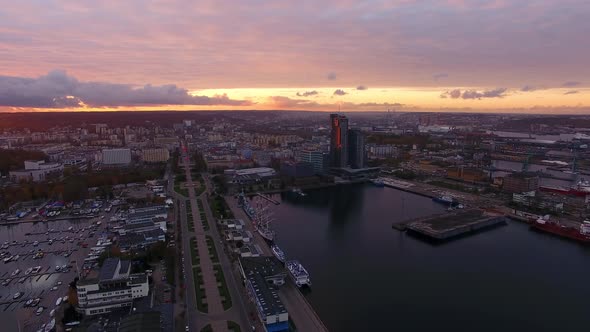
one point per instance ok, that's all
(339, 141)
(262, 276)
(520, 182)
(317, 159)
(159, 155)
(116, 156)
(112, 288)
(357, 156)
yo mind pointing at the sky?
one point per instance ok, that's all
(405, 55)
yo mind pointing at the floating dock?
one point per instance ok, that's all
(449, 225)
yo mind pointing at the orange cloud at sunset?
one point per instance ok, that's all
(371, 55)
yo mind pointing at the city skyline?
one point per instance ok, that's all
(478, 56)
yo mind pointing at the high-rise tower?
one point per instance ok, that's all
(339, 141)
(356, 149)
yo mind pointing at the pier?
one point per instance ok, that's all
(450, 225)
(275, 202)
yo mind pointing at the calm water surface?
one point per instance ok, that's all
(367, 276)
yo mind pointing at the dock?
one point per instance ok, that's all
(446, 226)
(300, 310)
(275, 202)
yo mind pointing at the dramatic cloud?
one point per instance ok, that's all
(529, 88)
(571, 92)
(474, 94)
(58, 90)
(571, 84)
(362, 87)
(380, 105)
(282, 102)
(307, 93)
(332, 76)
(340, 92)
(438, 77)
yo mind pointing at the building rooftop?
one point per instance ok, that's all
(114, 268)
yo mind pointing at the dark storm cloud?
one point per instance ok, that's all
(340, 92)
(307, 93)
(58, 90)
(362, 87)
(474, 94)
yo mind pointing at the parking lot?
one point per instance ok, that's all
(30, 275)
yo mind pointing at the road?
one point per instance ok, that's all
(216, 315)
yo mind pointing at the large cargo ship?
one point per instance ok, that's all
(581, 189)
(298, 273)
(581, 234)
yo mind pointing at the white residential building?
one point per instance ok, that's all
(114, 287)
(116, 156)
(37, 170)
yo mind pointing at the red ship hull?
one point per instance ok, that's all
(565, 191)
(563, 231)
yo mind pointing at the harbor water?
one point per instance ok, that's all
(367, 276)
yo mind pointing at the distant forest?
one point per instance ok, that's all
(42, 121)
(14, 159)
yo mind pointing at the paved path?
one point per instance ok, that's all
(216, 315)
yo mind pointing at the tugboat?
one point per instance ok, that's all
(279, 254)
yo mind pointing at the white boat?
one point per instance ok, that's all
(15, 272)
(279, 254)
(298, 273)
(298, 192)
(28, 271)
(8, 259)
(36, 269)
(393, 183)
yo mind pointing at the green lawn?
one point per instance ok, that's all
(212, 250)
(233, 326)
(223, 290)
(194, 254)
(203, 307)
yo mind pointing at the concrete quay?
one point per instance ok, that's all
(300, 311)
